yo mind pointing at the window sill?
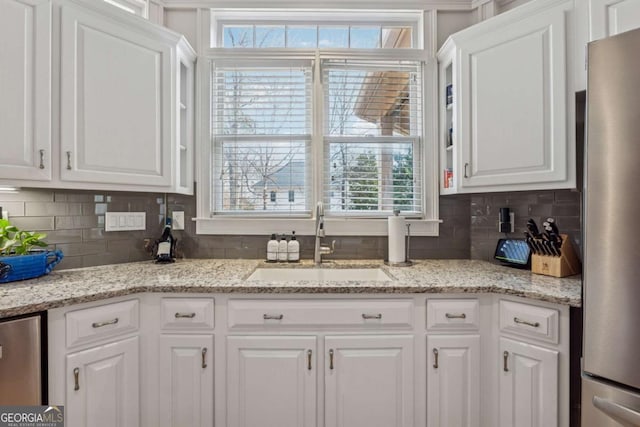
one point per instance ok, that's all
(305, 226)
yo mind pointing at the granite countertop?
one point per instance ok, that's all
(66, 287)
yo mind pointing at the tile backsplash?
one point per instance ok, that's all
(563, 205)
(74, 222)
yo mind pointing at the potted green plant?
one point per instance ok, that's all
(22, 255)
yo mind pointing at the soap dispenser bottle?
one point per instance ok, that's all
(272, 249)
(282, 249)
(293, 248)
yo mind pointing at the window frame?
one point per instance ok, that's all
(336, 225)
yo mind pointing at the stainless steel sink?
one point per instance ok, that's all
(319, 274)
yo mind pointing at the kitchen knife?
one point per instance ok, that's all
(554, 229)
(533, 228)
(529, 241)
(556, 241)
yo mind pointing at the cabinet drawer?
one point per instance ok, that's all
(529, 320)
(191, 313)
(449, 314)
(288, 313)
(96, 323)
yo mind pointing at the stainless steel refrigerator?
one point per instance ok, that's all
(611, 356)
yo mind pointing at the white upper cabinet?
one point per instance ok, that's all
(117, 101)
(115, 121)
(25, 89)
(124, 105)
(600, 19)
(512, 102)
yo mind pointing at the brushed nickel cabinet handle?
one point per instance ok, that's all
(331, 359)
(309, 353)
(68, 160)
(204, 357)
(273, 316)
(41, 159)
(524, 322)
(435, 358)
(372, 316)
(76, 378)
(185, 315)
(105, 323)
(466, 165)
(505, 359)
(455, 316)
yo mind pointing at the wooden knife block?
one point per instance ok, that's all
(567, 264)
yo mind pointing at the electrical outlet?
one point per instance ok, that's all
(178, 220)
(5, 214)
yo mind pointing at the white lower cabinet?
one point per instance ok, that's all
(271, 381)
(186, 380)
(369, 381)
(102, 386)
(453, 380)
(153, 360)
(528, 395)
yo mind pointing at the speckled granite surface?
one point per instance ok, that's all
(229, 276)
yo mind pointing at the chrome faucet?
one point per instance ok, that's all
(321, 250)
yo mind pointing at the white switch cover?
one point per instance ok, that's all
(125, 221)
(178, 220)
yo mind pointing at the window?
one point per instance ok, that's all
(317, 107)
(262, 138)
(372, 128)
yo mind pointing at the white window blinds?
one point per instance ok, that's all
(372, 137)
(262, 139)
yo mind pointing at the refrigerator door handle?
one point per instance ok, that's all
(618, 412)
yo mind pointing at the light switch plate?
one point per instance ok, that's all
(178, 220)
(125, 221)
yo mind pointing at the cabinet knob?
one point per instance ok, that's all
(204, 357)
(466, 165)
(435, 358)
(41, 159)
(68, 160)
(331, 359)
(309, 354)
(505, 357)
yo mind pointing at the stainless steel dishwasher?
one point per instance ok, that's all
(21, 361)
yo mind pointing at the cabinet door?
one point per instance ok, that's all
(115, 102)
(610, 17)
(103, 386)
(453, 381)
(186, 380)
(25, 89)
(528, 385)
(271, 381)
(514, 102)
(369, 381)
